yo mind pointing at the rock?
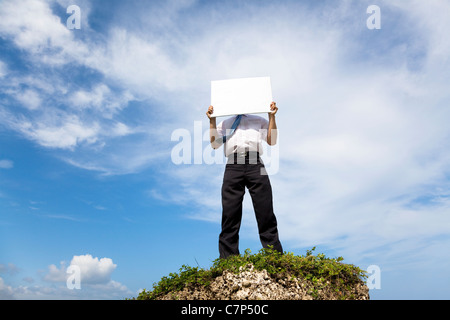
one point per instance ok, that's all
(252, 284)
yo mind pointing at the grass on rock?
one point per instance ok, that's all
(318, 270)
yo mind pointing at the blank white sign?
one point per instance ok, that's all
(241, 96)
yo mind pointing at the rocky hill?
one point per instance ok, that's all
(267, 275)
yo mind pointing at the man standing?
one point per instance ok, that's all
(242, 137)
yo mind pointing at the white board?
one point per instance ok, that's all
(241, 96)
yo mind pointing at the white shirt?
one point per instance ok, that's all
(248, 136)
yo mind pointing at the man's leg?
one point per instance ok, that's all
(261, 192)
(233, 189)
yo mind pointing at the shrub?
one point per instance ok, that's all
(321, 272)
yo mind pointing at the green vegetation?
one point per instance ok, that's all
(321, 272)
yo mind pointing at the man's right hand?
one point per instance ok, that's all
(209, 112)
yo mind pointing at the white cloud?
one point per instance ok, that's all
(85, 10)
(30, 99)
(56, 275)
(66, 133)
(3, 69)
(94, 98)
(431, 21)
(33, 27)
(120, 129)
(139, 63)
(70, 116)
(100, 100)
(92, 270)
(96, 282)
(6, 292)
(9, 268)
(66, 115)
(6, 164)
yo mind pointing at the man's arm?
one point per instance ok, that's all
(272, 132)
(213, 134)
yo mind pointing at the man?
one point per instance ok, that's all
(242, 137)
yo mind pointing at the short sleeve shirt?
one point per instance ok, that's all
(248, 136)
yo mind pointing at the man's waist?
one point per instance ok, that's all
(248, 146)
(251, 157)
(244, 154)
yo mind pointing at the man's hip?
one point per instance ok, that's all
(245, 157)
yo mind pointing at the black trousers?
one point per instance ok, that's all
(241, 173)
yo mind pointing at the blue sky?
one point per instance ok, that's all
(86, 121)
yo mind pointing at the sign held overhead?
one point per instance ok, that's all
(241, 96)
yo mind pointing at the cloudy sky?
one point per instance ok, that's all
(88, 123)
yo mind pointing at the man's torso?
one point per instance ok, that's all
(249, 134)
